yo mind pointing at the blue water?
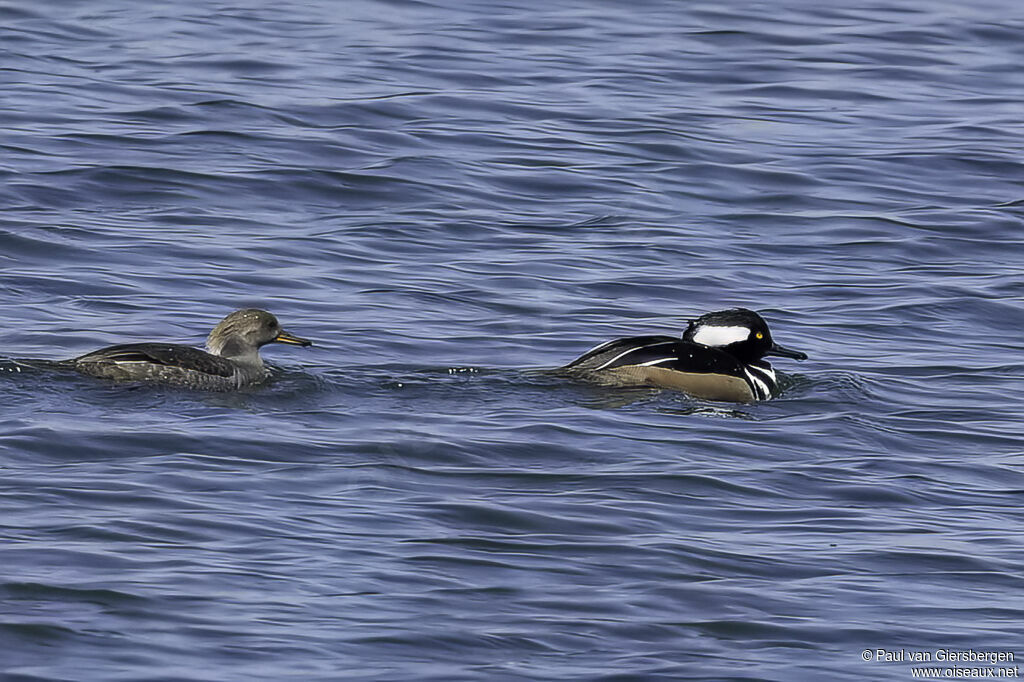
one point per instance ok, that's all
(445, 196)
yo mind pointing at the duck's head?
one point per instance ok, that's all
(740, 332)
(242, 333)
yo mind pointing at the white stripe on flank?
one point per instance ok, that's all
(598, 347)
(764, 370)
(655, 362)
(711, 335)
(761, 389)
(632, 350)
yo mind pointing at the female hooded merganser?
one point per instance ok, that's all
(719, 357)
(231, 359)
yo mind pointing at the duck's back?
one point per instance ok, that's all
(165, 363)
(666, 362)
(633, 350)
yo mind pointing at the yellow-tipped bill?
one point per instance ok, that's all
(285, 337)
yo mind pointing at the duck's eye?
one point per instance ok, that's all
(759, 336)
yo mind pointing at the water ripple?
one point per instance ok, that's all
(450, 199)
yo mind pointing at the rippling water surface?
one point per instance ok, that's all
(445, 196)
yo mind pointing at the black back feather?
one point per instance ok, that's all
(674, 353)
(167, 354)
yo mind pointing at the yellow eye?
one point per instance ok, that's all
(759, 335)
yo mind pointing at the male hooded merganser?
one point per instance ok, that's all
(719, 357)
(231, 359)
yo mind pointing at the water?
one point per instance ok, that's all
(445, 196)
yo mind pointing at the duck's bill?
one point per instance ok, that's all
(784, 352)
(285, 337)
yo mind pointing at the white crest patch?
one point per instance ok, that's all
(711, 335)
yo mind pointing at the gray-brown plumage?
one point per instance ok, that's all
(231, 359)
